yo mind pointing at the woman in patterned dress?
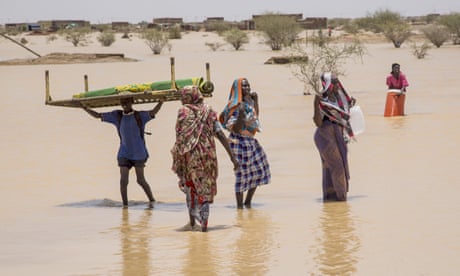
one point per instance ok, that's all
(194, 154)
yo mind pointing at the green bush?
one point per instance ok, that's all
(155, 39)
(106, 38)
(436, 34)
(421, 51)
(279, 30)
(214, 46)
(77, 35)
(236, 38)
(452, 22)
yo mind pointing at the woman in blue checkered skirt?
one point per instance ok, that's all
(241, 118)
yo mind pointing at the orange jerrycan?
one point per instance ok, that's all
(395, 103)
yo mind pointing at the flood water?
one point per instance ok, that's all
(60, 210)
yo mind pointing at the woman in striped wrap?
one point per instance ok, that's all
(241, 117)
(331, 116)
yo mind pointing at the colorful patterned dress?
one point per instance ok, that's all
(194, 154)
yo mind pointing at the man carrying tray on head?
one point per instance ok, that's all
(132, 152)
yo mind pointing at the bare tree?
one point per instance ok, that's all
(155, 39)
(325, 58)
(436, 34)
(396, 32)
(76, 35)
(452, 22)
(279, 30)
(236, 38)
(391, 24)
(421, 51)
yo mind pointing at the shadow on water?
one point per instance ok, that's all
(338, 243)
(133, 204)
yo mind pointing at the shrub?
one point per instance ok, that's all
(76, 36)
(452, 22)
(421, 51)
(155, 39)
(106, 38)
(396, 32)
(390, 23)
(51, 38)
(218, 26)
(236, 38)
(214, 46)
(436, 34)
(279, 30)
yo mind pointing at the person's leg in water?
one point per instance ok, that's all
(239, 200)
(145, 186)
(190, 204)
(124, 179)
(249, 195)
(197, 211)
(204, 215)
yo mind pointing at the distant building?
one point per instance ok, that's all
(211, 23)
(247, 25)
(120, 26)
(305, 23)
(21, 27)
(296, 16)
(166, 22)
(34, 27)
(313, 23)
(55, 25)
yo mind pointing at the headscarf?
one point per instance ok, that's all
(227, 117)
(190, 120)
(234, 99)
(336, 111)
(193, 92)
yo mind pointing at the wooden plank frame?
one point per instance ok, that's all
(148, 96)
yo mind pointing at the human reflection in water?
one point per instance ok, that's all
(254, 244)
(396, 122)
(135, 239)
(337, 251)
(199, 259)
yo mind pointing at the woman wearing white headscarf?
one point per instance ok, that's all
(331, 116)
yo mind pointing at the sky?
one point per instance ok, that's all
(135, 11)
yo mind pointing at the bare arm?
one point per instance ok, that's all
(316, 112)
(93, 113)
(155, 110)
(255, 98)
(223, 140)
(238, 126)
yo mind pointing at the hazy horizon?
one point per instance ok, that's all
(136, 11)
